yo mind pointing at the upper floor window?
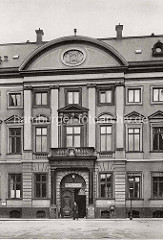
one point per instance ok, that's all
(41, 139)
(106, 185)
(40, 185)
(15, 186)
(134, 185)
(73, 136)
(133, 139)
(157, 185)
(41, 98)
(106, 96)
(157, 95)
(105, 138)
(158, 138)
(134, 95)
(73, 96)
(14, 140)
(14, 99)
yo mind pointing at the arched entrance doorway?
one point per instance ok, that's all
(72, 189)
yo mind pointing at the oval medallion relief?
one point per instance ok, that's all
(73, 57)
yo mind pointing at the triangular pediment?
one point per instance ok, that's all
(134, 115)
(14, 120)
(73, 109)
(156, 115)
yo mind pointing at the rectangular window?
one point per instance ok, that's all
(15, 140)
(105, 138)
(40, 185)
(133, 139)
(134, 95)
(15, 186)
(105, 96)
(134, 185)
(73, 97)
(73, 136)
(14, 99)
(41, 98)
(158, 138)
(157, 95)
(41, 139)
(157, 187)
(106, 190)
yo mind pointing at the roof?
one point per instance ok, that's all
(125, 46)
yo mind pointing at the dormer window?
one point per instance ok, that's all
(157, 49)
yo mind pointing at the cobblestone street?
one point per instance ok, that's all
(82, 229)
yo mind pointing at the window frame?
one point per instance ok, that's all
(67, 90)
(112, 184)
(152, 94)
(14, 93)
(105, 89)
(128, 88)
(35, 137)
(81, 135)
(134, 126)
(134, 175)
(154, 125)
(155, 174)
(9, 188)
(34, 98)
(21, 140)
(41, 182)
(112, 140)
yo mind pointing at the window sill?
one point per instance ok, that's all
(156, 103)
(41, 106)
(157, 199)
(105, 198)
(134, 152)
(135, 199)
(15, 199)
(133, 104)
(41, 198)
(156, 151)
(14, 154)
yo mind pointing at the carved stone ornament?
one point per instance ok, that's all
(73, 57)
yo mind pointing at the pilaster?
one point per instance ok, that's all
(54, 116)
(92, 114)
(27, 119)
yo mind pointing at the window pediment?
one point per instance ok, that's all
(156, 115)
(134, 116)
(14, 120)
(41, 119)
(73, 109)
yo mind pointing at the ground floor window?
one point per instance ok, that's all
(134, 185)
(157, 188)
(40, 185)
(106, 190)
(15, 186)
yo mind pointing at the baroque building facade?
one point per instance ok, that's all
(81, 119)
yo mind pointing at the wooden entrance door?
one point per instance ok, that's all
(67, 198)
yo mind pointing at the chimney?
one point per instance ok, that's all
(119, 29)
(39, 34)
